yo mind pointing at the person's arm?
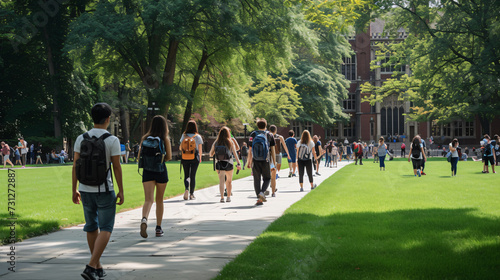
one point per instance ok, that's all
(284, 146)
(423, 154)
(117, 170)
(200, 150)
(249, 161)
(273, 157)
(212, 150)
(409, 154)
(314, 153)
(76, 194)
(235, 154)
(236, 145)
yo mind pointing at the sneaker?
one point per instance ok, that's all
(262, 197)
(290, 175)
(301, 189)
(418, 173)
(100, 273)
(159, 231)
(222, 200)
(191, 197)
(423, 173)
(294, 175)
(266, 193)
(314, 186)
(259, 202)
(186, 195)
(273, 195)
(277, 176)
(144, 226)
(228, 199)
(89, 273)
(318, 174)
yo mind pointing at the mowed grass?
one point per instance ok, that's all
(363, 223)
(43, 196)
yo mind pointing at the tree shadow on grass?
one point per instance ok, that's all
(404, 244)
(23, 228)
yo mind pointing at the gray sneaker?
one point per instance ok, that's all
(89, 273)
(144, 227)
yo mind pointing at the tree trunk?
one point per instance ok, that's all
(485, 124)
(53, 85)
(169, 72)
(194, 87)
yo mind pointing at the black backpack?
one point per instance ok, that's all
(415, 152)
(91, 167)
(244, 151)
(487, 150)
(152, 155)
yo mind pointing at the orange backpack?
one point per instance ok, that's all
(188, 147)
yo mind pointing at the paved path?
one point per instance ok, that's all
(201, 236)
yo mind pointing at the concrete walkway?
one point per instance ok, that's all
(201, 236)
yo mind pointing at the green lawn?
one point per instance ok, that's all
(43, 196)
(363, 223)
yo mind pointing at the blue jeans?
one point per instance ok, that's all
(454, 162)
(99, 210)
(381, 160)
(327, 159)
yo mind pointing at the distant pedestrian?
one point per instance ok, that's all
(39, 154)
(416, 155)
(192, 150)
(375, 152)
(306, 155)
(98, 199)
(23, 148)
(127, 151)
(348, 149)
(334, 155)
(32, 156)
(224, 151)
(496, 148)
(123, 153)
(6, 154)
(154, 151)
(244, 154)
(489, 155)
(403, 150)
(261, 158)
(319, 152)
(424, 148)
(454, 156)
(358, 152)
(291, 145)
(328, 153)
(17, 156)
(381, 153)
(280, 142)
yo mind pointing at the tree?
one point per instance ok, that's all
(454, 54)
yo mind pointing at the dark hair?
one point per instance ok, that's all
(159, 128)
(416, 142)
(306, 137)
(273, 128)
(454, 142)
(224, 137)
(486, 136)
(191, 127)
(291, 133)
(261, 123)
(381, 138)
(100, 112)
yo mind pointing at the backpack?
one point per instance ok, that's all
(487, 150)
(304, 152)
(188, 148)
(356, 148)
(244, 151)
(415, 152)
(152, 155)
(222, 153)
(277, 140)
(91, 168)
(260, 146)
(403, 146)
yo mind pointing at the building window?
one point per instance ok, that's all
(458, 129)
(333, 132)
(469, 128)
(392, 67)
(349, 67)
(447, 129)
(392, 121)
(349, 130)
(350, 102)
(299, 127)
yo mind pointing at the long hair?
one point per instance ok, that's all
(454, 142)
(191, 127)
(306, 137)
(224, 137)
(416, 142)
(159, 128)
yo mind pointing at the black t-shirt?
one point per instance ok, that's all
(316, 147)
(270, 138)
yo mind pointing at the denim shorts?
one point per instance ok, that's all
(99, 210)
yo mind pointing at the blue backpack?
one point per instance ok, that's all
(260, 146)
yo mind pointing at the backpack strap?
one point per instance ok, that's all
(103, 137)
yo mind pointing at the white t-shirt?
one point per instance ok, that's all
(112, 149)
(455, 153)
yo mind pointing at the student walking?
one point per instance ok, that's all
(154, 151)
(279, 141)
(224, 151)
(6, 154)
(403, 150)
(306, 154)
(416, 155)
(454, 156)
(488, 155)
(17, 155)
(334, 154)
(358, 152)
(291, 145)
(39, 154)
(23, 148)
(319, 153)
(381, 152)
(244, 154)
(261, 158)
(97, 192)
(192, 150)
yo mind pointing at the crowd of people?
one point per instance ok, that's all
(22, 154)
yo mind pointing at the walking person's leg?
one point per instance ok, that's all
(192, 175)
(257, 174)
(160, 193)
(229, 185)
(308, 165)
(222, 180)
(301, 174)
(149, 190)
(186, 166)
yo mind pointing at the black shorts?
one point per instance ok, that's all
(159, 177)
(489, 159)
(224, 166)
(417, 163)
